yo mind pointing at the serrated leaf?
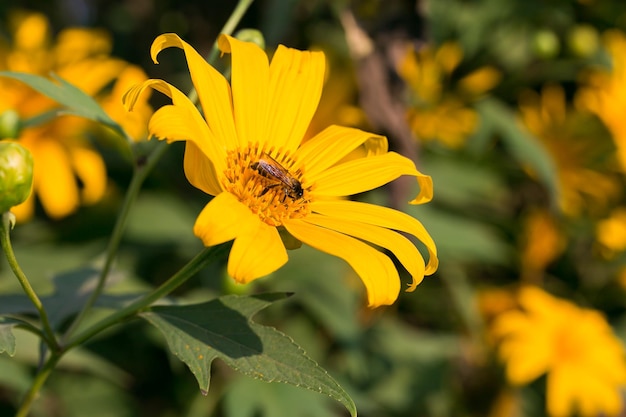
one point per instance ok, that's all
(74, 99)
(222, 328)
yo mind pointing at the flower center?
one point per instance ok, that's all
(265, 181)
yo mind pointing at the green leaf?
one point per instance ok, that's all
(71, 290)
(74, 99)
(247, 397)
(526, 149)
(7, 340)
(222, 328)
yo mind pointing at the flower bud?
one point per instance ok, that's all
(251, 35)
(9, 124)
(545, 44)
(16, 174)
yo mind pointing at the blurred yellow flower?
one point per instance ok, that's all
(439, 111)
(68, 170)
(576, 145)
(247, 152)
(611, 232)
(575, 347)
(542, 242)
(605, 91)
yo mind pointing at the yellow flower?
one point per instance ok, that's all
(440, 110)
(68, 171)
(575, 347)
(576, 146)
(605, 93)
(248, 153)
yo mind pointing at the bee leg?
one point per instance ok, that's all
(266, 189)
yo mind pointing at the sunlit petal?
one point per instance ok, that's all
(250, 82)
(400, 246)
(332, 144)
(200, 171)
(223, 219)
(373, 267)
(213, 89)
(256, 253)
(365, 174)
(296, 80)
(382, 217)
(180, 121)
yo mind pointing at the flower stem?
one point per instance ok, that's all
(40, 379)
(5, 239)
(139, 176)
(201, 260)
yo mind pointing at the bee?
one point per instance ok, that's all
(272, 169)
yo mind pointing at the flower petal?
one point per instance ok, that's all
(365, 174)
(180, 121)
(54, 180)
(223, 219)
(200, 171)
(380, 216)
(373, 267)
(400, 246)
(250, 82)
(295, 88)
(256, 253)
(91, 171)
(332, 144)
(213, 89)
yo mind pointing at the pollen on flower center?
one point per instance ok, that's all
(265, 181)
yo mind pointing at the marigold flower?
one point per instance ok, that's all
(248, 153)
(576, 347)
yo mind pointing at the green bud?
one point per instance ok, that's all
(16, 174)
(583, 40)
(9, 124)
(546, 44)
(251, 35)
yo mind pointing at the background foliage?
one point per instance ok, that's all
(516, 202)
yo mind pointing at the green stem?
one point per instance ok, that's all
(5, 240)
(196, 264)
(40, 379)
(227, 29)
(136, 182)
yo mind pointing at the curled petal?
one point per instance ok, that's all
(365, 174)
(373, 267)
(213, 89)
(179, 121)
(400, 246)
(382, 217)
